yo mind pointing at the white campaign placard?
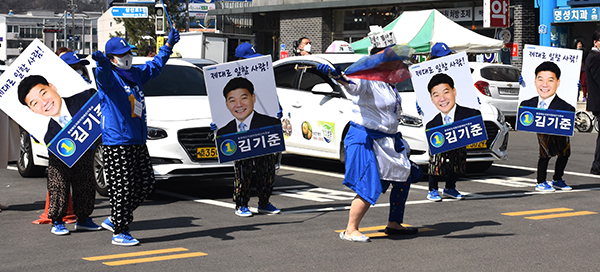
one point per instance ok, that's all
(36, 59)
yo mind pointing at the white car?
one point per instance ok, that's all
(498, 84)
(179, 136)
(316, 114)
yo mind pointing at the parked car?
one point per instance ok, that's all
(498, 84)
(178, 116)
(316, 114)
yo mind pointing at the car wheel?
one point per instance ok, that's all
(478, 167)
(101, 186)
(25, 164)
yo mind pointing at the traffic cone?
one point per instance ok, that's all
(69, 219)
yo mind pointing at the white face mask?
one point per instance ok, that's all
(124, 62)
(307, 48)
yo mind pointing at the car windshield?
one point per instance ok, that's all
(176, 80)
(507, 74)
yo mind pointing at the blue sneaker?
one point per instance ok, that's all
(544, 187)
(243, 212)
(433, 195)
(453, 193)
(87, 225)
(107, 224)
(58, 228)
(560, 184)
(124, 239)
(268, 209)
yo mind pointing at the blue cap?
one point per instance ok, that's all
(246, 50)
(116, 46)
(72, 58)
(440, 49)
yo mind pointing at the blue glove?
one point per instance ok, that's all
(173, 37)
(327, 70)
(521, 81)
(579, 85)
(419, 110)
(280, 111)
(213, 126)
(99, 57)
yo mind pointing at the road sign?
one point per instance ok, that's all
(129, 12)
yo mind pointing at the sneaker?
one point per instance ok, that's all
(124, 239)
(58, 228)
(544, 187)
(433, 195)
(560, 184)
(595, 171)
(243, 212)
(268, 209)
(107, 224)
(87, 225)
(453, 193)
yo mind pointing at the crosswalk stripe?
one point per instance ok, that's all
(508, 181)
(559, 215)
(156, 259)
(549, 170)
(537, 211)
(135, 254)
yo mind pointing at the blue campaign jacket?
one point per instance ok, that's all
(119, 127)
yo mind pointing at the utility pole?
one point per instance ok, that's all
(72, 8)
(187, 16)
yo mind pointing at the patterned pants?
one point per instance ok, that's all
(398, 197)
(550, 146)
(60, 180)
(130, 180)
(261, 170)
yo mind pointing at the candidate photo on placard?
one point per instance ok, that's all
(445, 90)
(549, 81)
(41, 92)
(242, 95)
(240, 100)
(549, 87)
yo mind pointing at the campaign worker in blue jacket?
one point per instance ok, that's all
(127, 164)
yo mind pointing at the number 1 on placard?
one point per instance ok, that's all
(437, 139)
(228, 147)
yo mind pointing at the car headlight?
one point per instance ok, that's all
(156, 133)
(409, 120)
(501, 119)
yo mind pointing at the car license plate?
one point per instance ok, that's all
(481, 144)
(206, 152)
(508, 91)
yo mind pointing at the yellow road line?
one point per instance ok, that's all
(537, 211)
(156, 259)
(373, 228)
(136, 254)
(558, 215)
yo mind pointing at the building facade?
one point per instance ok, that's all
(278, 23)
(17, 31)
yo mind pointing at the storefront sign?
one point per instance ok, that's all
(576, 15)
(495, 13)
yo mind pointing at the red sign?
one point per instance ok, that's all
(495, 13)
(52, 30)
(283, 54)
(514, 49)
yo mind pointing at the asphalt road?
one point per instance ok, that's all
(189, 225)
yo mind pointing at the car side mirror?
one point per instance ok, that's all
(323, 88)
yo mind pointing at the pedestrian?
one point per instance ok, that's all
(42, 98)
(77, 64)
(376, 156)
(592, 76)
(127, 164)
(303, 47)
(547, 80)
(450, 164)
(582, 81)
(260, 169)
(61, 50)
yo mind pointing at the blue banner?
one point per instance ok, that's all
(587, 14)
(251, 143)
(79, 134)
(547, 121)
(456, 134)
